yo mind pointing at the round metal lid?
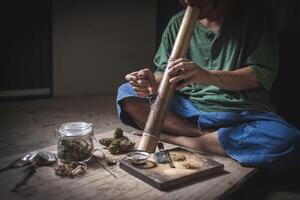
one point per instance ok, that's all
(75, 129)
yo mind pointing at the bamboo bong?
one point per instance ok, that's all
(166, 91)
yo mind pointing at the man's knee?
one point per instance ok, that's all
(129, 105)
(125, 90)
(285, 138)
(286, 149)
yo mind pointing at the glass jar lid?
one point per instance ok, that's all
(75, 129)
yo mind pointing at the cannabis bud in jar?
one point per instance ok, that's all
(75, 142)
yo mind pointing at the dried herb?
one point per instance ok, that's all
(126, 145)
(73, 150)
(178, 158)
(70, 170)
(189, 166)
(106, 141)
(114, 147)
(118, 133)
(118, 144)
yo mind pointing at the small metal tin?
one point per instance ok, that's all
(138, 157)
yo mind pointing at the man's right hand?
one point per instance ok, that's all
(143, 82)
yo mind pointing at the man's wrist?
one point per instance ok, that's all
(214, 78)
(209, 79)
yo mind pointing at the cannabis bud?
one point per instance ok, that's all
(118, 144)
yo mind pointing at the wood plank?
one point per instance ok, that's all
(163, 177)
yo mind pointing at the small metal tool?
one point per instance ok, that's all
(151, 96)
(32, 161)
(20, 162)
(170, 159)
(163, 156)
(98, 160)
(106, 169)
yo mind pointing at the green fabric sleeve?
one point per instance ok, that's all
(262, 46)
(167, 41)
(162, 55)
(266, 76)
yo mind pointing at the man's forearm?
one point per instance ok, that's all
(240, 79)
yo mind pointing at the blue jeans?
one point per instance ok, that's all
(254, 139)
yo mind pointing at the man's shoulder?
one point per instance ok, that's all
(174, 24)
(177, 18)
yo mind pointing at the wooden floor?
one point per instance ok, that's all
(29, 124)
(97, 183)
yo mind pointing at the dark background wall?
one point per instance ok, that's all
(96, 43)
(73, 47)
(284, 92)
(26, 58)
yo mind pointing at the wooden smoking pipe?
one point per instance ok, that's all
(166, 91)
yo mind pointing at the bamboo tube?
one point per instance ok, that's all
(166, 91)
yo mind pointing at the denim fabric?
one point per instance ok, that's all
(256, 139)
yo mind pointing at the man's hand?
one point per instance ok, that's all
(185, 72)
(143, 82)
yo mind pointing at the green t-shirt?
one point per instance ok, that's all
(247, 37)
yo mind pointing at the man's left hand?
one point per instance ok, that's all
(185, 72)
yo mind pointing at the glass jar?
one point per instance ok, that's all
(75, 142)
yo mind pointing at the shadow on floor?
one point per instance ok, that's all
(267, 186)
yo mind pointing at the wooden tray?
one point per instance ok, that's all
(162, 177)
